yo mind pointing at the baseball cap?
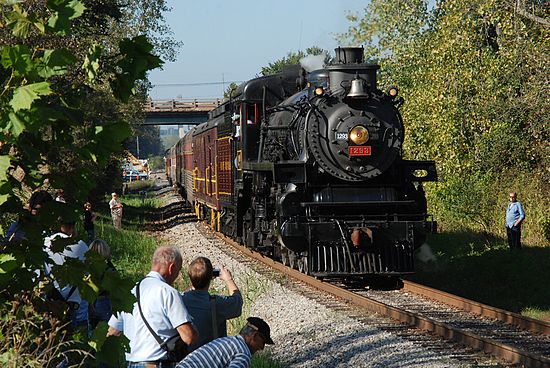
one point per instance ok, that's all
(262, 327)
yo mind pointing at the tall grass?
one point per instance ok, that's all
(489, 272)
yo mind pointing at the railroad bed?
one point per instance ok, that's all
(313, 329)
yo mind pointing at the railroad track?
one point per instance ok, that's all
(507, 336)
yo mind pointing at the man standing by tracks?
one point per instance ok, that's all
(514, 218)
(162, 307)
(116, 211)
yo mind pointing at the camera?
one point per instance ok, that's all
(216, 272)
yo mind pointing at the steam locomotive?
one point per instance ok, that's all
(308, 169)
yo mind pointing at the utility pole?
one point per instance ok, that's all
(137, 146)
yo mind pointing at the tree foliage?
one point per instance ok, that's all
(475, 77)
(62, 116)
(292, 58)
(148, 139)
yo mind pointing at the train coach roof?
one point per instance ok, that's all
(279, 86)
(211, 123)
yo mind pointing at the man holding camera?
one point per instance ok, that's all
(210, 312)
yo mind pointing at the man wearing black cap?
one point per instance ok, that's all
(231, 351)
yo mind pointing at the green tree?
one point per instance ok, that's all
(149, 141)
(230, 90)
(53, 76)
(474, 74)
(292, 58)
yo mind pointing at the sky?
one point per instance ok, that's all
(231, 40)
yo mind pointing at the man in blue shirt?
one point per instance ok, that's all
(514, 217)
(231, 351)
(210, 312)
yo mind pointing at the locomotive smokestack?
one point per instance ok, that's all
(349, 71)
(349, 55)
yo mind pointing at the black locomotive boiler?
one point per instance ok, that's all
(309, 169)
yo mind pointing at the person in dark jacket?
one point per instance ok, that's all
(89, 217)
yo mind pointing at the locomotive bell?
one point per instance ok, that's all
(357, 89)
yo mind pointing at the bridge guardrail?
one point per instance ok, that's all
(180, 105)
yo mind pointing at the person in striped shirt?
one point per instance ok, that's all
(231, 351)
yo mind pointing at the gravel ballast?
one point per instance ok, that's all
(308, 333)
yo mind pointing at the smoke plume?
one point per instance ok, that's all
(313, 62)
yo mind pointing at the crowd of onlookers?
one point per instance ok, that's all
(166, 327)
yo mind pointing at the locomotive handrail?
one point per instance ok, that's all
(207, 181)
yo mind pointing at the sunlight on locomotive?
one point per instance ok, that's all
(359, 135)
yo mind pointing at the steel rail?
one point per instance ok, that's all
(503, 351)
(514, 319)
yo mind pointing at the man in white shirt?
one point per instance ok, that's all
(162, 307)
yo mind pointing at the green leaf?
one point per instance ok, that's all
(135, 62)
(91, 62)
(65, 11)
(24, 96)
(19, 22)
(40, 26)
(7, 263)
(4, 198)
(114, 133)
(5, 163)
(16, 125)
(56, 62)
(18, 57)
(11, 2)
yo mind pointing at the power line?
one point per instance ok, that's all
(195, 84)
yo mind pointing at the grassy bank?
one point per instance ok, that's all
(489, 272)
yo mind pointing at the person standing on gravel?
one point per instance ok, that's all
(514, 218)
(162, 307)
(210, 312)
(232, 351)
(116, 211)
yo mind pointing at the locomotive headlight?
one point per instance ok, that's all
(393, 91)
(359, 135)
(319, 91)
